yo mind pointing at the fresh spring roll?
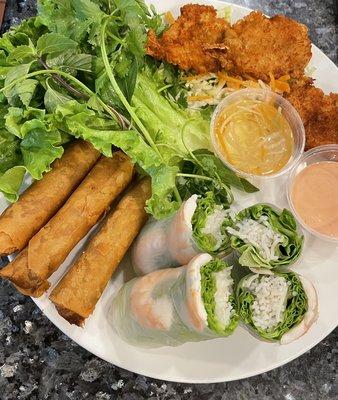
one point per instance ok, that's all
(77, 293)
(266, 238)
(199, 226)
(279, 307)
(48, 249)
(169, 307)
(43, 198)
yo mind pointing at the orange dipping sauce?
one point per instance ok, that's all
(314, 194)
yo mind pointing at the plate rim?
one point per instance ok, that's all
(175, 377)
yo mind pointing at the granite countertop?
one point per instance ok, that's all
(38, 362)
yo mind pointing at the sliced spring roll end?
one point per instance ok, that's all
(209, 286)
(180, 243)
(218, 297)
(22, 278)
(208, 226)
(70, 316)
(189, 209)
(34, 292)
(310, 316)
(8, 245)
(306, 306)
(197, 312)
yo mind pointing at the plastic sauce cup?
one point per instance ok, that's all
(287, 110)
(316, 155)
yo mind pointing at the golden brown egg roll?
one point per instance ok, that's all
(43, 198)
(79, 290)
(47, 250)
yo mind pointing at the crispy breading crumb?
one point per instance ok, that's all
(182, 43)
(262, 46)
(318, 111)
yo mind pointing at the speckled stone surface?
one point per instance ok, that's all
(39, 362)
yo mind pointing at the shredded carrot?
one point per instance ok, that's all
(249, 84)
(169, 18)
(284, 78)
(272, 82)
(199, 76)
(221, 83)
(282, 86)
(199, 98)
(227, 78)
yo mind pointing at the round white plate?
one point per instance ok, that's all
(240, 355)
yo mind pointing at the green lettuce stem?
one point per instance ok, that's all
(205, 178)
(119, 92)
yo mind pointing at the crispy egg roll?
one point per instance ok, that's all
(79, 290)
(48, 249)
(43, 198)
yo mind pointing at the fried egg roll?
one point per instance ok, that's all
(48, 249)
(43, 198)
(77, 293)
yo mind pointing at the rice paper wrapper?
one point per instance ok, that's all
(164, 243)
(154, 314)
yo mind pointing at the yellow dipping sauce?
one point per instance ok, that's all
(314, 196)
(254, 136)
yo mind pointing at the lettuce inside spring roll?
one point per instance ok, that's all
(217, 296)
(279, 307)
(176, 305)
(266, 238)
(209, 226)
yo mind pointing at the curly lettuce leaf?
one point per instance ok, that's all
(282, 222)
(165, 121)
(208, 291)
(10, 182)
(296, 307)
(206, 241)
(28, 143)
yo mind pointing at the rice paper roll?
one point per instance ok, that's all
(173, 306)
(199, 226)
(266, 238)
(278, 307)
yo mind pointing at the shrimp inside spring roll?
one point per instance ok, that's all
(199, 226)
(278, 307)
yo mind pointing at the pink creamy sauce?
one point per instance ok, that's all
(315, 197)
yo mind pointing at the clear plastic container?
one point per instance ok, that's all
(289, 113)
(316, 155)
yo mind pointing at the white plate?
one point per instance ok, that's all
(240, 355)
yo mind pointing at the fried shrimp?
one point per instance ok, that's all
(183, 43)
(261, 46)
(318, 111)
